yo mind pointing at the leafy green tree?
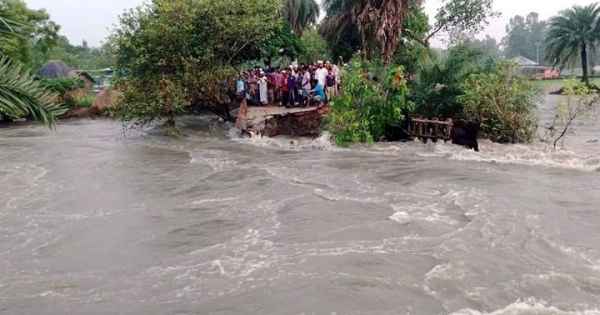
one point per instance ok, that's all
(526, 37)
(411, 53)
(440, 81)
(315, 48)
(37, 32)
(20, 94)
(79, 57)
(502, 101)
(488, 46)
(572, 34)
(186, 53)
(301, 14)
(469, 16)
(372, 97)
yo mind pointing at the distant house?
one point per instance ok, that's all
(57, 69)
(87, 79)
(531, 68)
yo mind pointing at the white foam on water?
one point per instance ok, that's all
(451, 206)
(401, 217)
(529, 306)
(532, 155)
(212, 159)
(216, 200)
(323, 142)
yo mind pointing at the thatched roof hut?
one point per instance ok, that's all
(54, 69)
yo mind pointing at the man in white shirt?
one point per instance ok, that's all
(321, 74)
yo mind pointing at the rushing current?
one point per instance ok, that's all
(95, 220)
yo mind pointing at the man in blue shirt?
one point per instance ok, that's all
(317, 95)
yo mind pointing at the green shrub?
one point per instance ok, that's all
(372, 97)
(63, 87)
(502, 100)
(147, 100)
(576, 87)
(87, 100)
(440, 82)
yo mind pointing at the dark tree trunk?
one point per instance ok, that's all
(584, 64)
(363, 45)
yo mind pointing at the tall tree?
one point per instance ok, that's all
(181, 53)
(468, 16)
(378, 19)
(315, 48)
(370, 21)
(37, 34)
(575, 31)
(301, 14)
(526, 37)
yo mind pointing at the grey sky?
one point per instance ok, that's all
(91, 19)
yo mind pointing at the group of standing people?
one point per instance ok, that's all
(304, 85)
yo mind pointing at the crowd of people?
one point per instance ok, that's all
(305, 85)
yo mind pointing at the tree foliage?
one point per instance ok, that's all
(372, 96)
(503, 102)
(64, 87)
(378, 22)
(469, 16)
(37, 33)
(440, 82)
(315, 48)
(20, 94)
(574, 33)
(301, 14)
(526, 37)
(77, 56)
(188, 51)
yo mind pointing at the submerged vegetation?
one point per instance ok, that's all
(502, 101)
(372, 96)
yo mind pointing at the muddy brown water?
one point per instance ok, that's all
(92, 222)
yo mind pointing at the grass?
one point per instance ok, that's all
(87, 100)
(555, 84)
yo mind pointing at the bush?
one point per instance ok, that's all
(147, 100)
(372, 97)
(63, 88)
(440, 82)
(502, 100)
(576, 87)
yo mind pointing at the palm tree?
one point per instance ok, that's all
(20, 94)
(574, 33)
(301, 14)
(374, 19)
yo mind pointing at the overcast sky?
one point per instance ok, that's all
(92, 19)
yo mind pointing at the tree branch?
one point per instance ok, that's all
(412, 36)
(437, 30)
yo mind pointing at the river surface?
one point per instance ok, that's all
(93, 222)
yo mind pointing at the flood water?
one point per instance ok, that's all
(92, 222)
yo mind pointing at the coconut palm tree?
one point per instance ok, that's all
(574, 33)
(301, 14)
(375, 19)
(20, 94)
